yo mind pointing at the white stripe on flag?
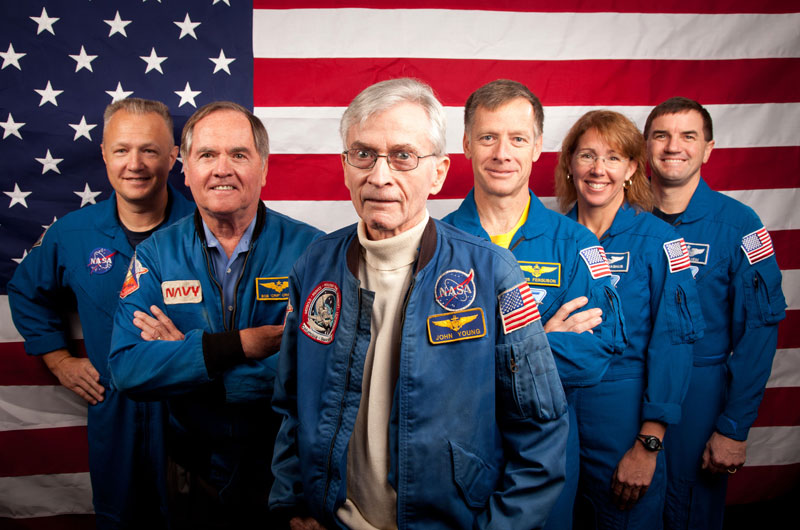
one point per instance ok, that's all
(462, 34)
(784, 369)
(773, 446)
(40, 407)
(45, 495)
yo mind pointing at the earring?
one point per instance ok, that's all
(569, 177)
(627, 183)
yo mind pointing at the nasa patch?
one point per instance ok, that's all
(101, 260)
(541, 273)
(698, 253)
(131, 282)
(182, 292)
(618, 261)
(455, 289)
(455, 326)
(321, 312)
(275, 288)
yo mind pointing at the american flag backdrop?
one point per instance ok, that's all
(298, 64)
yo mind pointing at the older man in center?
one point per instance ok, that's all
(416, 383)
(201, 314)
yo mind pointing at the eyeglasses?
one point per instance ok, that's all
(397, 160)
(589, 159)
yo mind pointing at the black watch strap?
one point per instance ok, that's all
(651, 443)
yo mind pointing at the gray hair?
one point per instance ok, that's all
(260, 136)
(139, 106)
(382, 96)
(493, 95)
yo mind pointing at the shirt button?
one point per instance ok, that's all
(230, 308)
(228, 271)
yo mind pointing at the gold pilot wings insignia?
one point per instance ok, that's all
(275, 288)
(455, 326)
(541, 273)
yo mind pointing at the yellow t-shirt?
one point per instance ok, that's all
(504, 240)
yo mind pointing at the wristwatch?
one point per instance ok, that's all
(651, 443)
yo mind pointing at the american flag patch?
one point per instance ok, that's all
(517, 308)
(595, 258)
(677, 255)
(757, 245)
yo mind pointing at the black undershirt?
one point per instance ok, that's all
(668, 217)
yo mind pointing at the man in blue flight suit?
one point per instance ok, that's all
(739, 284)
(415, 378)
(201, 312)
(503, 125)
(81, 261)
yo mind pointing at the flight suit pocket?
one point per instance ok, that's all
(766, 303)
(476, 480)
(685, 313)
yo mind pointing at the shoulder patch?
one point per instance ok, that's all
(131, 283)
(677, 255)
(182, 292)
(321, 312)
(541, 273)
(38, 242)
(518, 308)
(698, 253)
(618, 261)
(595, 259)
(457, 325)
(757, 246)
(274, 288)
(455, 289)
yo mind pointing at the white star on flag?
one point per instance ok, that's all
(48, 94)
(227, 2)
(51, 224)
(221, 62)
(45, 22)
(24, 255)
(187, 27)
(153, 61)
(118, 94)
(87, 196)
(11, 57)
(17, 196)
(84, 60)
(10, 127)
(82, 129)
(187, 95)
(49, 163)
(117, 25)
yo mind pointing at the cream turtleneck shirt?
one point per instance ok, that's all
(385, 268)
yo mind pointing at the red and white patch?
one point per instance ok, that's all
(757, 245)
(321, 312)
(182, 292)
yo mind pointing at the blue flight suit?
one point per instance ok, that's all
(80, 262)
(478, 425)
(649, 380)
(742, 305)
(547, 247)
(221, 425)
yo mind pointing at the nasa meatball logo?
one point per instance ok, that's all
(455, 290)
(321, 312)
(100, 260)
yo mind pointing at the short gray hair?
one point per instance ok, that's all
(139, 106)
(260, 136)
(382, 96)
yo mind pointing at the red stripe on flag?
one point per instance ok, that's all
(546, 6)
(307, 82)
(56, 522)
(779, 407)
(786, 244)
(758, 483)
(44, 451)
(789, 330)
(19, 368)
(294, 177)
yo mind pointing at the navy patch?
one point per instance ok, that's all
(100, 260)
(541, 273)
(321, 312)
(275, 288)
(618, 261)
(458, 325)
(538, 294)
(182, 292)
(455, 290)
(698, 253)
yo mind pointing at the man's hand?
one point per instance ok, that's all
(577, 323)
(261, 342)
(304, 523)
(632, 476)
(156, 327)
(76, 374)
(723, 454)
